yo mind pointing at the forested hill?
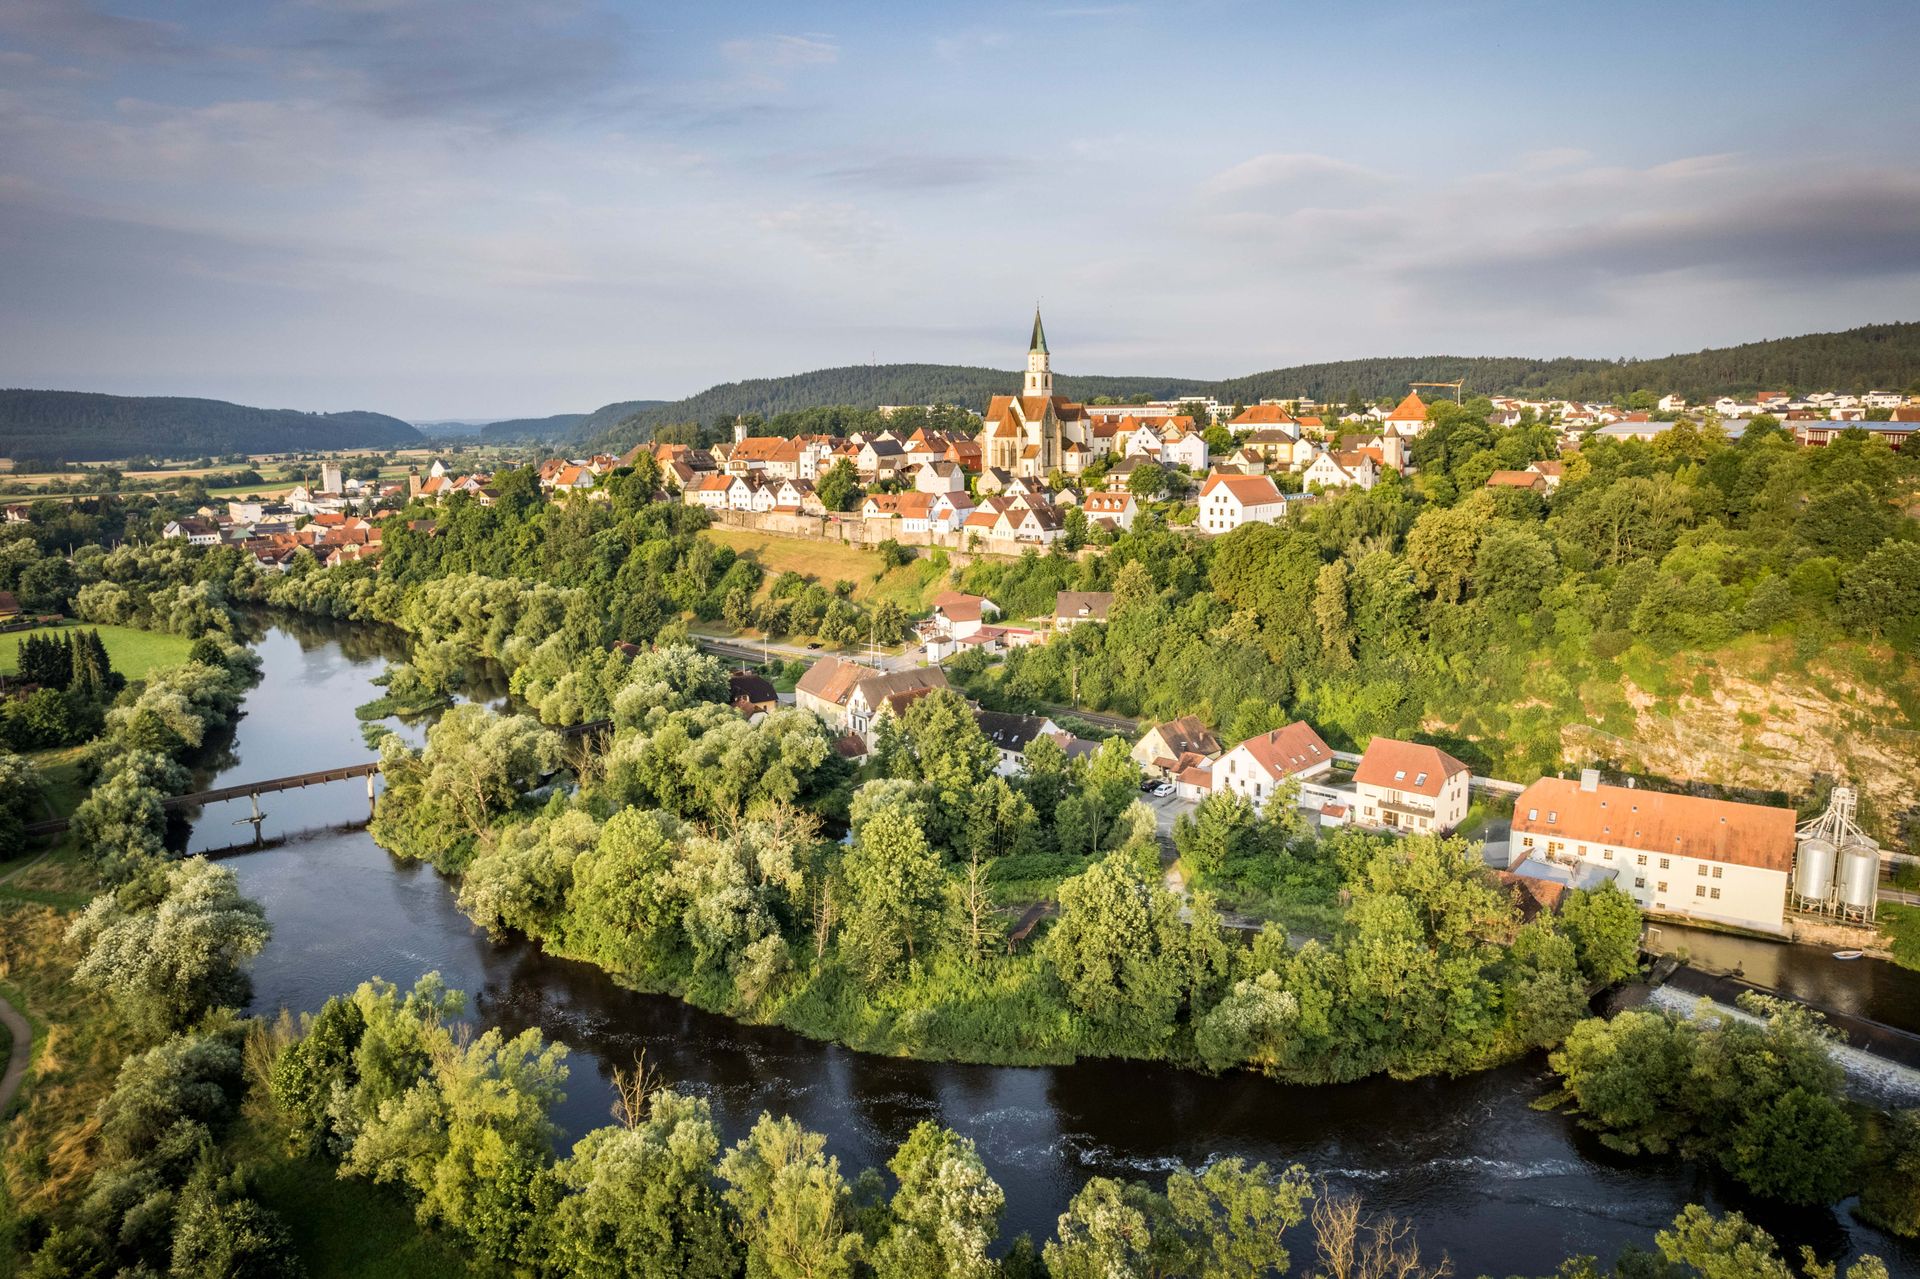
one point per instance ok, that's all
(558, 426)
(1885, 356)
(1878, 355)
(859, 385)
(81, 426)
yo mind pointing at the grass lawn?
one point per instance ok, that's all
(1902, 927)
(60, 782)
(133, 653)
(827, 561)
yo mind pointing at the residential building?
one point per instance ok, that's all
(1528, 479)
(847, 694)
(1551, 470)
(1710, 859)
(1409, 417)
(1170, 748)
(1116, 509)
(752, 695)
(1341, 470)
(1011, 735)
(1257, 767)
(1070, 608)
(196, 531)
(1409, 786)
(1228, 501)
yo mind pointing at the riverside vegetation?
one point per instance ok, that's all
(690, 858)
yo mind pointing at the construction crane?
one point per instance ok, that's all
(1455, 387)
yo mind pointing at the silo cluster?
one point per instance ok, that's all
(1836, 865)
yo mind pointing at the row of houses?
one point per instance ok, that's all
(1688, 856)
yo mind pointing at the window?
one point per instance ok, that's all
(1716, 875)
(1699, 890)
(1553, 815)
(1703, 869)
(1399, 774)
(1533, 814)
(1640, 882)
(1664, 863)
(1608, 854)
(1526, 841)
(1660, 887)
(1716, 894)
(1420, 779)
(1641, 860)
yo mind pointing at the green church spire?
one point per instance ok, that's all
(1039, 342)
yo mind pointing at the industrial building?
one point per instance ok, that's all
(1708, 859)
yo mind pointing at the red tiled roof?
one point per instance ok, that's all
(1718, 830)
(1248, 490)
(1411, 409)
(1289, 750)
(1406, 766)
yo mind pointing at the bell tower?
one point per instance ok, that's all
(1039, 369)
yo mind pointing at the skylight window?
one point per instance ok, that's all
(1421, 780)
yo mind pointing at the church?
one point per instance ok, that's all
(1036, 432)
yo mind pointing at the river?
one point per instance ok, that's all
(1498, 1186)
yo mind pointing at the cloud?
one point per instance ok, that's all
(966, 46)
(1867, 229)
(783, 52)
(1278, 171)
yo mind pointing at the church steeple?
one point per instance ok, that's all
(1039, 365)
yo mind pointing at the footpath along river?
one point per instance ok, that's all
(1500, 1187)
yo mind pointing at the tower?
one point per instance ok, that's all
(1039, 369)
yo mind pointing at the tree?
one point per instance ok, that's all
(19, 797)
(1726, 1247)
(1604, 924)
(793, 1205)
(946, 1212)
(1148, 482)
(1116, 949)
(170, 945)
(1230, 1219)
(893, 894)
(642, 1200)
(839, 486)
(1106, 1231)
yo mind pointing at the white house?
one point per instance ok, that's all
(1117, 509)
(1671, 403)
(1411, 787)
(1188, 450)
(1257, 767)
(1011, 735)
(1673, 854)
(1228, 501)
(1409, 417)
(709, 491)
(1341, 470)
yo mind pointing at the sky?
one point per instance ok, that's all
(498, 208)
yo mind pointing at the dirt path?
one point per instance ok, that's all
(22, 1052)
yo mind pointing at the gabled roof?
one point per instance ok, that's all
(1406, 766)
(1091, 605)
(1187, 735)
(1411, 409)
(1718, 830)
(744, 687)
(959, 607)
(1011, 732)
(1248, 490)
(1516, 480)
(1286, 751)
(832, 680)
(1262, 415)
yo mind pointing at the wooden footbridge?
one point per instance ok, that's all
(298, 781)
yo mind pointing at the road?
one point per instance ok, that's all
(757, 651)
(16, 1072)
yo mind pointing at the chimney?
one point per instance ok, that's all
(1590, 779)
(1629, 783)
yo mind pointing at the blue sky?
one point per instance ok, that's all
(503, 207)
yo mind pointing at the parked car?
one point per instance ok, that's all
(1163, 790)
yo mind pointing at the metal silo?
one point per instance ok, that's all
(1813, 872)
(1858, 884)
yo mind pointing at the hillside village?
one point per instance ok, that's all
(1039, 469)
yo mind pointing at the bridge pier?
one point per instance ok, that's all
(255, 820)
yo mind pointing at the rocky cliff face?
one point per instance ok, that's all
(1756, 718)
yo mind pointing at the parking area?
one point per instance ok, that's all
(1166, 809)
